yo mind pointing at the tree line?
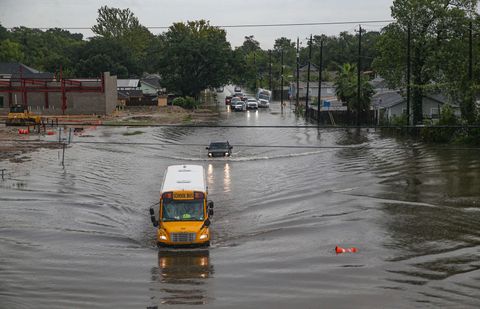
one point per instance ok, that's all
(443, 36)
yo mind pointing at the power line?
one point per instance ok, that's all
(246, 25)
(356, 147)
(266, 126)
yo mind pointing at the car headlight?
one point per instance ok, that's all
(204, 236)
(163, 237)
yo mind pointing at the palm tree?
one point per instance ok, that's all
(346, 88)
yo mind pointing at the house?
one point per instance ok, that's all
(328, 90)
(391, 104)
(43, 94)
(130, 98)
(128, 84)
(16, 70)
(379, 85)
(150, 85)
(303, 73)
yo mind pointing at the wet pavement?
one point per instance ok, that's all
(80, 236)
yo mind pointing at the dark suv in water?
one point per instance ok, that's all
(219, 149)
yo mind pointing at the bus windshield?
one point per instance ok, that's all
(185, 210)
(264, 97)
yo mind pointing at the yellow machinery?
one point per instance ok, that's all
(19, 116)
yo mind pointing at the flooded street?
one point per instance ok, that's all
(80, 236)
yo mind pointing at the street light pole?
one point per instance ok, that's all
(359, 87)
(308, 75)
(409, 39)
(298, 77)
(281, 84)
(320, 68)
(270, 69)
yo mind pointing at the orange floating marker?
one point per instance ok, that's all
(339, 250)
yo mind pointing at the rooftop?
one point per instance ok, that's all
(184, 177)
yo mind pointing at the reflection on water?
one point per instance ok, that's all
(181, 276)
(226, 178)
(227, 182)
(210, 177)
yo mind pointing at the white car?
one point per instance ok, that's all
(252, 104)
(238, 106)
(263, 103)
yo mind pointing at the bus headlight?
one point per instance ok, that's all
(209, 154)
(226, 153)
(163, 237)
(204, 236)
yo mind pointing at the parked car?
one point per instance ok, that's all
(237, 89)
(219, 149)
(238, 95)
(239, 106)
(234, 100)
(228, 99)
(252, 104)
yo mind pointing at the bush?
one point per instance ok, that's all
(442, 135)
(179, 102)
(190, 103)
(399, 120)
(187, 102)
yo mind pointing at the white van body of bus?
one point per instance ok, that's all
(184, 213)
(263, 97)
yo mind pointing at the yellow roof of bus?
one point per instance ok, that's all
(184, 177)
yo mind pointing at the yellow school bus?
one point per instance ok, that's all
(184, 213)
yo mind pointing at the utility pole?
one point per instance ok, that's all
(409, 56)
(470, 52)
(270, 69)
(470, 110)
(320, 68)
(359, 69)
(298, 77)
(256, 70)
(308, 75)
(281, 84)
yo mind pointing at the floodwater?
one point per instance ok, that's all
(80, 236)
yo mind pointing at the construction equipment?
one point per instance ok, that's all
(20, 116)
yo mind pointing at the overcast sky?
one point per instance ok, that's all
(83, 13)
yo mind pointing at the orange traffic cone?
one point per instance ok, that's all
(339, 250)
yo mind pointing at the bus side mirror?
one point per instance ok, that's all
(207, 148)
(152, 217)
(231, 147)
(210, 204)
(210, 212)
(206, 223)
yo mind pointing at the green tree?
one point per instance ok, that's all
(48, 50)
(248, 63)
(434, 27)
(106, 54)
(124, 26)
(10, 51)
(249, 45)
(195, 57)
(3, 33)
(346, 85)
